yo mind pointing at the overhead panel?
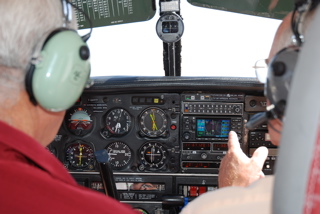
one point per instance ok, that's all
(265, 8)
(113, 12)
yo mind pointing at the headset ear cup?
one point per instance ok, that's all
(28, 83)
(61, 73)
(280, 73)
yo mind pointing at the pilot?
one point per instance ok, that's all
(38, 57)
(244, 191)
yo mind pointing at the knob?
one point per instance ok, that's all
(204, 155)
(253, 103)
(236, 109)
(186, 136)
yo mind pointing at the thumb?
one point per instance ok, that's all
(260, 155)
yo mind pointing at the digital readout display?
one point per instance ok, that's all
(202, 165)
(213, 127)
(220, 146)
(196, 146)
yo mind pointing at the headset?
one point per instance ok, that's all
(281, 69)
(59, 69)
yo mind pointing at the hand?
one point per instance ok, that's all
(236, 169)
(143, 186)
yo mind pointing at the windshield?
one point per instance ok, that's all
(214, 43)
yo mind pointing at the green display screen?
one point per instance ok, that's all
(113, 12)
(264, 8)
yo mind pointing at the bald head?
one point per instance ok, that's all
(283, 36)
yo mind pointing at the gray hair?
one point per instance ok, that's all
(23, 25)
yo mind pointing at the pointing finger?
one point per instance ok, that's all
(233, 142)
(260, 156)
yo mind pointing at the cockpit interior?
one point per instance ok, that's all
(163, 136)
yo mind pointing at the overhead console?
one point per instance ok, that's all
(164, 136)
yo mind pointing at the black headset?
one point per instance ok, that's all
(58, 74)
(281, 69)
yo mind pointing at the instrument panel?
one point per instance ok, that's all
(139, 131)
(161, 138)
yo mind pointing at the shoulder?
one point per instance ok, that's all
(26, 189)
(231, 200)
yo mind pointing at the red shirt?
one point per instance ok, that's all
(33, 181)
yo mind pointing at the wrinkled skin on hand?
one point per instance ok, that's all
(236, 168)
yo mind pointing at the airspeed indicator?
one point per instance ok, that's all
(118, 122)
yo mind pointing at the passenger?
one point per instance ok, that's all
(240, 197)
(31, 179)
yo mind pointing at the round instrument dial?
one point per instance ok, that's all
(153, 122)
(79, 121)
(153, 155)
(119, 154)
(80, 155)
(118, 121)
(170, 27)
